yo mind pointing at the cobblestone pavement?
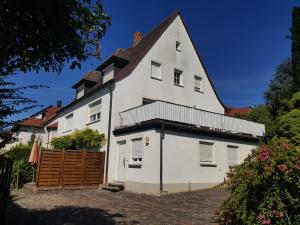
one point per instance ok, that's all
(94, 207)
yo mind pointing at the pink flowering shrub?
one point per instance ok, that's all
(265, 189)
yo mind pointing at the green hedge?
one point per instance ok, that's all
(22, 170)
(80, 139)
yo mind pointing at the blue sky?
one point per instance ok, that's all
(241, 43)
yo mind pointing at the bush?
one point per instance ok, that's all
(288, 126)
(80, 139)
(22, 170)
(265, 189)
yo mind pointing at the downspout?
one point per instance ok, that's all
(110, 87)
(162, 135)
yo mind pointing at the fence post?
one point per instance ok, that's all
(84, 153)
(61, 176)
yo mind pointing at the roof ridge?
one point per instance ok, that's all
(145, 44)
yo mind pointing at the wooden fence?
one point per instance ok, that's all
(63, 169)
(5, 176)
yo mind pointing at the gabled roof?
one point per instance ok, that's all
(136, 53)
(90, 76)
(49, 113)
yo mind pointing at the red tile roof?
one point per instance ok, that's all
(47, 114)
(238, 111)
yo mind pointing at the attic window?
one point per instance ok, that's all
(198, 83)
(156, 70)
(178, 46)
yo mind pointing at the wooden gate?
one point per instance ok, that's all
(63, 169)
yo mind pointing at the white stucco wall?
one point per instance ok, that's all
(181, 156)
(81, 114)
(181, 162)
(130, 90)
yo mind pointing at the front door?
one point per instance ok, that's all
(122, 160)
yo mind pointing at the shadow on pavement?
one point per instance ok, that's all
(68, 215)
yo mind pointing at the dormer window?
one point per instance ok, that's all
(178, 46)
(108, 73)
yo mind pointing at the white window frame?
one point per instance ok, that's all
(180, 77)
(131, 161)
(204, 163)
(153, 62)
(66, 118)
(198, 89)
(178, 46)
(238, 155)
(97, 115)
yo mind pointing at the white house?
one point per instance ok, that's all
(43, 125)
(163, 119)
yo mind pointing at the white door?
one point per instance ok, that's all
(122, 160)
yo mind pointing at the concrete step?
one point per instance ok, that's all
(114, 186)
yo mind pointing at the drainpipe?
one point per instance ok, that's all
(110, 87)
(162, 135)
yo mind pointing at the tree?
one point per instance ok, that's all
(295, 30)
(261, 114)
(281, 89)
(44, 34)
(12, 102)
(288, 126)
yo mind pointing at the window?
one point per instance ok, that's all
(206, 153)
(178, 46)
(95, 111)
(68, 122)
(232, 153)
(198, 83)
(137, 150)
(178, 77)
(156, 70)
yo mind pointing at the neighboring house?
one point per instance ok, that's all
(238, 112)
(42, 124)
(164, 122)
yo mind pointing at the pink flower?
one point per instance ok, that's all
(262, 219)
(285, 146)
(264, 154)
(282, 167)
(297, 165)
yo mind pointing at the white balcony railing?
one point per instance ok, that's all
(191, 116)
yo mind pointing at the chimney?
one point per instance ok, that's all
(59, 103)
(137, 36)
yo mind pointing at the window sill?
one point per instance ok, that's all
(155, 78)
(208, 165)
(66, 131)
(179, 85)
(96, 121)
(135, 165)
(199, 91)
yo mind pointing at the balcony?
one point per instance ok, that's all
(190, 116)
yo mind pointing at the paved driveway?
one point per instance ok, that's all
(91, 207)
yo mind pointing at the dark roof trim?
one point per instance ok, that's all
(171, 125)
(201, 61)
(106, 84)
